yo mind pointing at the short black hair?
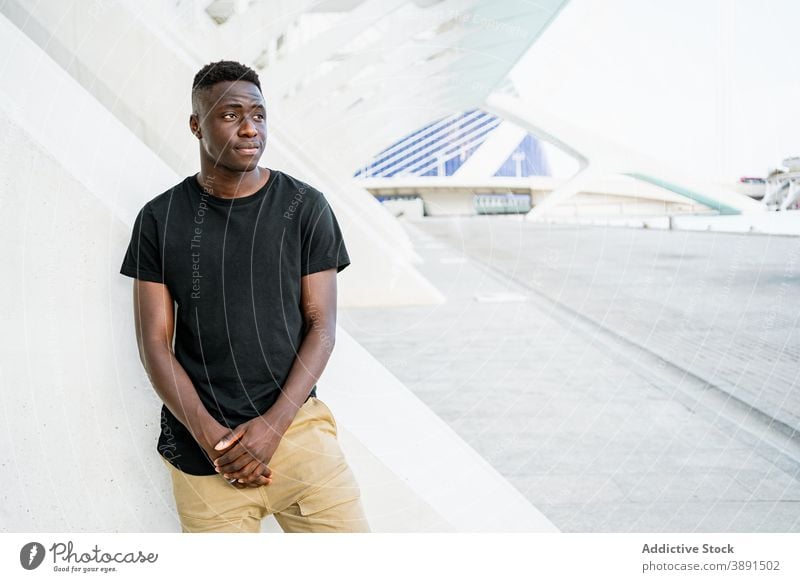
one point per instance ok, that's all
(218, 72)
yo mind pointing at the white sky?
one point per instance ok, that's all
(707, 85)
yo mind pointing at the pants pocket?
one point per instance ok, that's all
(342, 488)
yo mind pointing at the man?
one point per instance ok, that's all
(250, 257)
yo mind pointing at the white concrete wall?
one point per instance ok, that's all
(603, 205)
(783, 223)
(443, 203)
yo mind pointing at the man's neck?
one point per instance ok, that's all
(226, 184)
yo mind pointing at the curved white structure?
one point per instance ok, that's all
(87, 110)
(599, 157)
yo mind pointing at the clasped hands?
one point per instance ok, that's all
(244, 452)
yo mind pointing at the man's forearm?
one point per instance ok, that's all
(312, 357)
(176, 390)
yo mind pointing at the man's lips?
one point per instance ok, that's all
(248, 149)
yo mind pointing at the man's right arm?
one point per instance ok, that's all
(154, 318)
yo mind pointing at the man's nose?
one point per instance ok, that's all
(247, 127)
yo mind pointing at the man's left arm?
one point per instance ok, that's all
(253, 443)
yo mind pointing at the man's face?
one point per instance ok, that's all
(232, 125)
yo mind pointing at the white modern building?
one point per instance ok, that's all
(94, 110)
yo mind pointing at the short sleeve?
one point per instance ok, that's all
(323, 246)
(143, 257)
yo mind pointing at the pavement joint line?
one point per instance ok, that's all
(721, 405)
(562, 225)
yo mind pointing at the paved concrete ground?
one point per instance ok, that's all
(591, 367)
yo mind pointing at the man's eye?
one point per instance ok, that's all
(259, 116)
(229, 115)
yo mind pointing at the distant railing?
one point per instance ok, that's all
(502, 203)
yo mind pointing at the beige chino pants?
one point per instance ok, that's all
(312, 489)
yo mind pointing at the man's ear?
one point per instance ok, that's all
(194, 126)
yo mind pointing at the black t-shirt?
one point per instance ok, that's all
(233, 266)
